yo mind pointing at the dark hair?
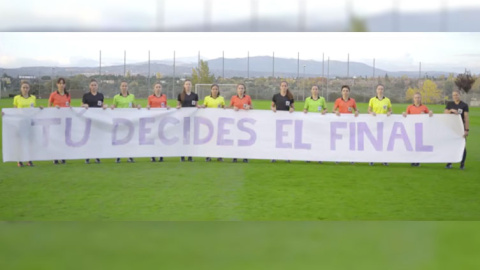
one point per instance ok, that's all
(182, 95)
(22, 82)
(124, 81)
(244, 87)
(211, 87)
(93, 80)
(64, 82)
(380, 85)
(345, 86)
(289, 94)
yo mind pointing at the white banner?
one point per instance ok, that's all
(77, 133)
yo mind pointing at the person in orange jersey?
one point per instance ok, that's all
(60, 99)
(417, 108)
(157, 100)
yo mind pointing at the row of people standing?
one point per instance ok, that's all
(282, 101)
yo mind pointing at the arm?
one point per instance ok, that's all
(467, 124)
(196, 102)
(355, 108)
(135, 105)
(336, 108)
(179, 102)
(114, 103)
(430, 112)
(249, 103)
(50, 101)
(449, 110)
(84, 103)
(292, 107)
(149, 103)
(273, 107)
(370, 108)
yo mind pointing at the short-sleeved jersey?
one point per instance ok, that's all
(312, 105)
(157, 102)
(282, 103)
(59, 100)
(348, 106)
(93, 101)
(124, 102)
(20, 102)
(461, 107)
(211, 102)
(241, 103)
(380, 106)
(189, 101)
(412, 109)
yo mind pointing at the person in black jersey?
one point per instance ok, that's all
(283, 101)
(459, 107)
(187, 99)
(93, 99)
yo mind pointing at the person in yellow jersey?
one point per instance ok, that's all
(25, 100)
(380, 104)
(124, 100)
(214, 100)
(315, 103)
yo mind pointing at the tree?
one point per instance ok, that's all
(476, 85)
(448, 87)
(158, 75)
(430, 92)
(464, 81)
(202, 74)
(409, 94)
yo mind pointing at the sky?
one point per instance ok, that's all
(151, 15)
(450, 52)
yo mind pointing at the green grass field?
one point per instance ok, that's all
(255, 191)
(258, 191)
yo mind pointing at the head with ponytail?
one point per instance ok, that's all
(284, 90)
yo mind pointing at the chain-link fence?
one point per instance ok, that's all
(362, 89)
(258, 87)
